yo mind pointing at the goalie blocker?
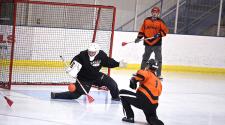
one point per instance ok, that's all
(86, 67)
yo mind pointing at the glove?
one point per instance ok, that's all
(73, 69)
(137, 40)
(157, 35)
(123, 64)
(133, 83)
(72, 72)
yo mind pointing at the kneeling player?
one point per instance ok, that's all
(146, 96)
(86, 67)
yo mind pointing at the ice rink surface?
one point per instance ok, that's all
(187, 99)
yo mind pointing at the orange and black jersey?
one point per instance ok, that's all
(150, 28)
(149, 85)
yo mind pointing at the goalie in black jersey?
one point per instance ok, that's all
(86, 68)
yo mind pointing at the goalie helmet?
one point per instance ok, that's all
(152, 64)
(93, 47)
(93, 50)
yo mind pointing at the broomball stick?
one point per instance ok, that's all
(126, 42)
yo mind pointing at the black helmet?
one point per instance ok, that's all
(151, 64)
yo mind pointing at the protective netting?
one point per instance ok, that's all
(44, 31)
(5, 48)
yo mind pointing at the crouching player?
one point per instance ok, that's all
(86, 68)
(146, 96)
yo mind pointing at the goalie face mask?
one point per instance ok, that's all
(93, 50)
(92, 55)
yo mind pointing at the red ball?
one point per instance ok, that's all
(72, 87)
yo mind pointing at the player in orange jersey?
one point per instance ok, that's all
(146, 96)
(153, 27)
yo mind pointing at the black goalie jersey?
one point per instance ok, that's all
(91, 69)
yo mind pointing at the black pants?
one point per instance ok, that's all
(140, 101)
(104, 80)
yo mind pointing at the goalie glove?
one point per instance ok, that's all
(123, 64)
(74, 69)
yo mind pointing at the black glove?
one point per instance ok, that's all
(137, 40)
(133, 83)
(157, 35)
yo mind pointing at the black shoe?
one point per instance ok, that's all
(155, 121)
(116, 99)
(52, 95)
(130, 120)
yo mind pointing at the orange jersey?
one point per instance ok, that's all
(150, 28)
(150, 85)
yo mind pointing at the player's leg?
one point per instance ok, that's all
(155, 121)
(129, 98)
(152, 118)
(158, 57)
(65, 95)
(146, 56)
(71, 95)
(149, 110)
(110, 84)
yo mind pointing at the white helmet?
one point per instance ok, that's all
(93, 47)
(93, 50)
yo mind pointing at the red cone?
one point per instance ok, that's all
(9, 101)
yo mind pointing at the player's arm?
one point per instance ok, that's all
(141, 33)
(110, 62)
(76, 58)
(107, 61)
(164, 29)
(138, 77)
